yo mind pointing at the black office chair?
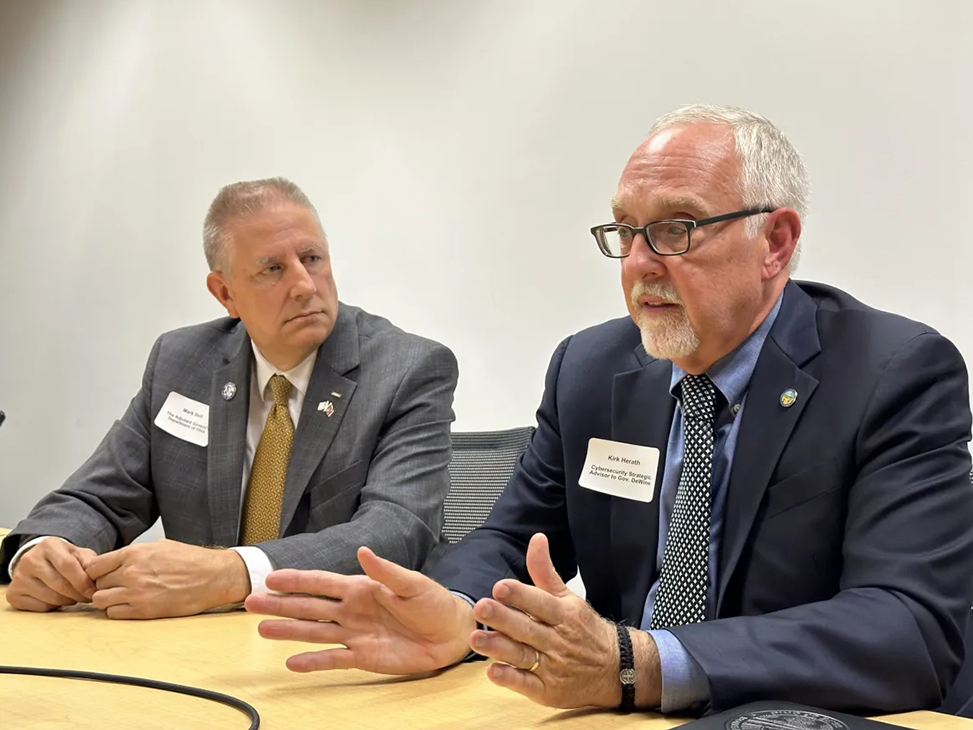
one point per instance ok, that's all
(959, 701)
(479, 469)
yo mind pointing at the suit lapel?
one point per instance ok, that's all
(228, 438)
(767, 424)
(641, 414)
(338, 355)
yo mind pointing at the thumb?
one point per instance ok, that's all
(84, 556)
(541, 568)
(105, 563)
(401, 581)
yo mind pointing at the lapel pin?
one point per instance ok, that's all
(335, 394)
(229, 390)
(788, 398)
(326, 407)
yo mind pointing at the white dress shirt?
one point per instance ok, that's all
(258, 563)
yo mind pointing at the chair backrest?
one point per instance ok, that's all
(480, 467)
(959, 701)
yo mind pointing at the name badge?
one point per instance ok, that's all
(621, 470)
(184, 418)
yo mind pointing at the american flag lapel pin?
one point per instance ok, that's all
(326, 407)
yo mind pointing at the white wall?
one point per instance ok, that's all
(458, 153)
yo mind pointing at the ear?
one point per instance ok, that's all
(783, 229)
(216, 283)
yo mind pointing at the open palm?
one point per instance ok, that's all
(390, 620)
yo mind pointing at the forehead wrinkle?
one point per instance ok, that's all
(664, 202)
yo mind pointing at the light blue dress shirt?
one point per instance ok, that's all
(683, 682)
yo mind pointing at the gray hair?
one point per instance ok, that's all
(242, 199)
(772, 174)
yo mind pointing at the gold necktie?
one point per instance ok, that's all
(265, 491)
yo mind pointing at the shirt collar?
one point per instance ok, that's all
(299, 375)
(731, 373)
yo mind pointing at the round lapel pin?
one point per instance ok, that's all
(229, 390)
(788, 398)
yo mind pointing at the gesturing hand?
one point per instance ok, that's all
(390, 620)
(573, 651)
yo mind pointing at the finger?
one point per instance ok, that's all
(103, 564)
(68, 565)
(518, 680)
(313, 632)
(314, 661)
(501, 647)
(123, 612)
(541, 567)
(515, 624)
(85, 556)
(115, 579)
(539, 604)
(25, 602)
(301, 607)
(401, 581)
(105, 599)
(48, 574)
(309, 582)
(36, 588)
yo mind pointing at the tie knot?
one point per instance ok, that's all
(698, 397)
(281, 388)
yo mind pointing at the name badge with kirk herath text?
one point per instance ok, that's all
(621, 470)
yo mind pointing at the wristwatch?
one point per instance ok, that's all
(626, 669)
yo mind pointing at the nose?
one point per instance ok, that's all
(302, 284)
(642, 262)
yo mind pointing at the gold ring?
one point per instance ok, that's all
(536, 661)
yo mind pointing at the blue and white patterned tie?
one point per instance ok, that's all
(681, 598)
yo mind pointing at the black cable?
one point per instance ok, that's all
(203, 694)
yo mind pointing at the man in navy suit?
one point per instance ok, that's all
(764, 483)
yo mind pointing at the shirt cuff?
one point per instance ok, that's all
(24, 548)
(258, 566)
(684, 683)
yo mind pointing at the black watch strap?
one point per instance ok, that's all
(626, 669)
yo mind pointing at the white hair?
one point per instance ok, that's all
(242, 199)
(772, 174)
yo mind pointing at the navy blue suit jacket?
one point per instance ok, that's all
(845, 575)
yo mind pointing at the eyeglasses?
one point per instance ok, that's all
(669, 237)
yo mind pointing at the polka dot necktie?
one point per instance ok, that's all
(265, 490)
(681, 598)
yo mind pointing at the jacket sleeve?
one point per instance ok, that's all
(533, 501)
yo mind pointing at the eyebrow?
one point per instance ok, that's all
(310, 248)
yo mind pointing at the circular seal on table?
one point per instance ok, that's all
(780, 719)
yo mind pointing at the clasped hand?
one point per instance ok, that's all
(147, 580)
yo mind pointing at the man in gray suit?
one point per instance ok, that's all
(292, 432)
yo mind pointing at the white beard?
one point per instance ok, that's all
(665, 335)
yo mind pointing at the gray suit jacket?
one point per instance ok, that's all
(374, 473)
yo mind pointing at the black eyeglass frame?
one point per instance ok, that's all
(599, 231)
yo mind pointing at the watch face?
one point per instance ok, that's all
(627, 676)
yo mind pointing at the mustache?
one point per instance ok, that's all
(662, 289)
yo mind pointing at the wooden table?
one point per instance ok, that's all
(223, 652)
